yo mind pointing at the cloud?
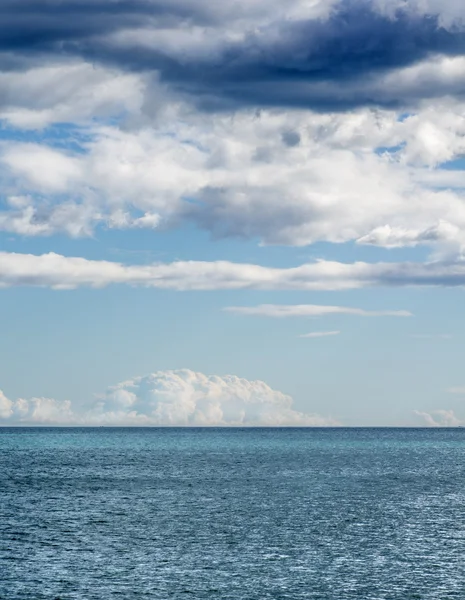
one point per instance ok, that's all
(60, 272)
(389, 237)
(27, 219)
(456, 390)
(127, 79)
(171, 398)
(5, 406)
(67, 92)
(323, 55)
(36, 411)
(439, 418)
(241, 177)
(304, 63)
(318, 334)
(311, 310)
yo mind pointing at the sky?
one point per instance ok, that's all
(240, 213)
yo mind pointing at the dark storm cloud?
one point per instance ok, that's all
(332, 63)
(28, 25)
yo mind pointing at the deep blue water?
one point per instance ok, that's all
(329, 514)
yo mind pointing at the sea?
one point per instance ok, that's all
(253, 514)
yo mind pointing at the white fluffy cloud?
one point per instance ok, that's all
(66, 92)
(189, 398)
(61, 272)
(290, 178)
(171, 398)
(5, 406)
(36, 411)
(311, 310)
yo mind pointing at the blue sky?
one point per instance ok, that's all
(176, 176)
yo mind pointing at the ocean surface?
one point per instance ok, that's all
(327, 514)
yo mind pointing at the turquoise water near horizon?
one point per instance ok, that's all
(327, 514)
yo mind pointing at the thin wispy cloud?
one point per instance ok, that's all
(319, 334)
(311, 310)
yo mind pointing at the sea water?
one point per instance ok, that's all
(328, 514)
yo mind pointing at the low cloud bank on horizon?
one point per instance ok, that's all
(170, 398)
(183, 398)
